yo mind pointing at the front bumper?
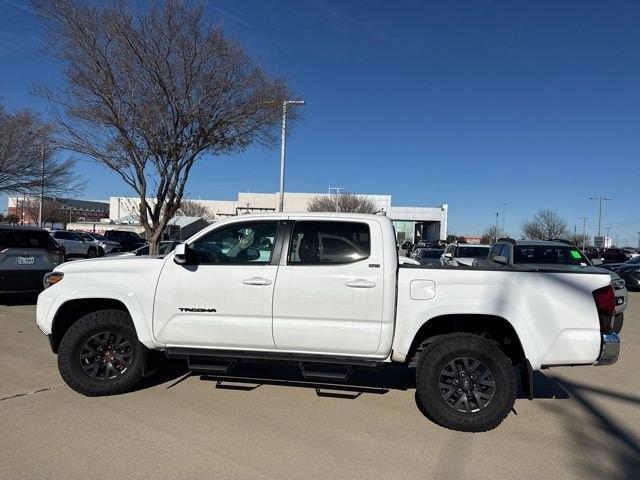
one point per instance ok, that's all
(609, 349)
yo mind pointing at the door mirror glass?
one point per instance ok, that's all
(180, 254)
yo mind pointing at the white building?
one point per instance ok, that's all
(411, 223)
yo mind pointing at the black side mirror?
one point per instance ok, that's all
(183, 255)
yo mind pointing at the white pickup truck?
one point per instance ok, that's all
(326, 291)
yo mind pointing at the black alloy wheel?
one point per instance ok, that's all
(106, 355)
(467, 385)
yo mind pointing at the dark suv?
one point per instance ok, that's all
(26, 255)
(129, 240)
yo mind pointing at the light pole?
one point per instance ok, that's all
(504, 215)
(41, 189)
(283, 146)
(600, 200)
(337, 189)
(584, 232)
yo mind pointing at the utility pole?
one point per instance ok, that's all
(283, 146)
(600, 200)
(584, 232)
(497, 224)
(41, 189)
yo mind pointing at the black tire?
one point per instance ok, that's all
(95, 327)
(484, 405)
(92, 253)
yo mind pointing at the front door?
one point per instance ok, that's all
(329, 293)
(225, 300)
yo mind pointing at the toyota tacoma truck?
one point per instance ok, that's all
(326, 292)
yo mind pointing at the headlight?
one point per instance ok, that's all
(52, 278)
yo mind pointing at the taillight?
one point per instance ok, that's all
(57, 250)
(605, 299)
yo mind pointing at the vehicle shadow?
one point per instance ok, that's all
(379, 380)
(16, 299)
(602, 436)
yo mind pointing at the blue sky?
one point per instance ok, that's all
(476, 104)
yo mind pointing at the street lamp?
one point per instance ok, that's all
(600, 200)
(282, 150)
(42, 152)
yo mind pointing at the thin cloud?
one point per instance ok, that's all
(18, 5)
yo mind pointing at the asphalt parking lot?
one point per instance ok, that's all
(584, 423)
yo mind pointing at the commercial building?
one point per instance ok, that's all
(411, 223)
(56, 210)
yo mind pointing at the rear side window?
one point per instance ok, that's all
(325, 243)
(25, 239)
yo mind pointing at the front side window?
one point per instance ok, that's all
(237, 244)
(320, 243)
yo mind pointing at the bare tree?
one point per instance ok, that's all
(491, 234)
(191, 208)
(345, 202)
(150, 91)
(24, 139)
(546, 225)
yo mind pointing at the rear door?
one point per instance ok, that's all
(329, 293)
(71, 242)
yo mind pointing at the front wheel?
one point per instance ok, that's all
(465, 382)
(100, 354)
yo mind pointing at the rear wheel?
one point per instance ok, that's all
(91, 253)
(465, 382)
(100, 354)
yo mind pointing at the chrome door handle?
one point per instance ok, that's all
(360, 283)
(259, 281)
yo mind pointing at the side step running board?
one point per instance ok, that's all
(205, 356)
(340, 373)
(220, 367)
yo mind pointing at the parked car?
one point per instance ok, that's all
(553, 255)
(26, 255)
(427, 256)
(165, 247)
(104, 245)
(128, 240)
(629, 271)
(614, 255)
(473, 335)
(74, 244)
(463, 255)
(634, 261)
(406, 246)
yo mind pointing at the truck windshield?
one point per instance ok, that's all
(549, 255)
